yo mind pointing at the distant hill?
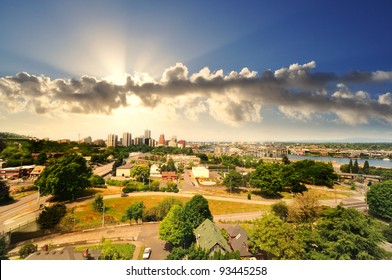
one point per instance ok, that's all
(10, 135)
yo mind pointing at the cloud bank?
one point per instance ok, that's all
(298, 92)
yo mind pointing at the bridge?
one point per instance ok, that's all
(367, 177)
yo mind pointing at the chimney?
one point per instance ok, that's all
(45, 248)
(85, 253)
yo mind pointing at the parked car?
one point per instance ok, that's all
(146, 253)
(124, 194)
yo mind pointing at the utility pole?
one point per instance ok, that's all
(103, 215)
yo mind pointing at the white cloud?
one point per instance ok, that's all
(232, 99)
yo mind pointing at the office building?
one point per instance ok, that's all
(126, 139)
(112, 140)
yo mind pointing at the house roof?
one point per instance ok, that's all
(169, 173)
(208, 235)
(68, 253)
(239, 240)
(127, 166)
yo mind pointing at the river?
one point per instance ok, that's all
(372, 162)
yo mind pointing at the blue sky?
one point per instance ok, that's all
(201, 70)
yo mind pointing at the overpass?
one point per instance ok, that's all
(367, 177)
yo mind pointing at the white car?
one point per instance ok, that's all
(146, 253)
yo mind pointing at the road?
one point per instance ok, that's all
(20, 212)
(103, 170)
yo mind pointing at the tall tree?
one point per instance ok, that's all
(65, 178)
(379, 198)
(4, 192)
(366, 167)
(350, 235)
(278, 239)
(350, 166)
(233, 180)
(197, 210)
(41, 159)
(268, 178)
(176, 228)
(141, 172)
(356, 167)
(134, 212)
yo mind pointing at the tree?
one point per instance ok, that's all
(65, 178)
(366, 167)
(285, 160)
(97, 181)
(292, 178)
(176, 228)
(135, 212)
(165, 205)
(305, 208)
(3, 248)
(379, 199)
(387, 232)
(51, 215)
(350, 166)
(347, 234)
(280, 209)
(140, 172)
(197, 210)
(98, 203)
(268, 178)
(109, 252)
(278, 239)
(233, 180)
(170, 165)
(4, 192)
(356, 167)
(41, 159)
(27, 249)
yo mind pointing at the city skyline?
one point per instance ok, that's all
(221, 71)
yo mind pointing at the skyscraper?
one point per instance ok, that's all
(161, 141)
(147, 137)
(112, 140)
(127, 139)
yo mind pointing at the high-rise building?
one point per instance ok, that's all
(112, 140)
(126, 139)
(181, 144)
(147, 134)
(161, 141)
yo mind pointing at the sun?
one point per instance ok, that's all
(118, 78)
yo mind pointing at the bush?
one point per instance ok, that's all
(51, 215)
(27, 249)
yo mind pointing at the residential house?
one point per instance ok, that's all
(238, 240)
(210, 238)
(124, 171)
(169, 175)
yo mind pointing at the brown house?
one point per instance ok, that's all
(169, 175)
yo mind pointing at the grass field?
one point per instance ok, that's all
(86, 217)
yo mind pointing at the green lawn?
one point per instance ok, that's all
(86, 217)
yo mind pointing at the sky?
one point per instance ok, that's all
(200, 70)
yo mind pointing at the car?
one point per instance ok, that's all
(146, 253)
(124, 194)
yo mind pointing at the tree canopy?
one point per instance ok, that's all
(65, 178)
(140, 172)
(379, 198)
(51, 215)
(278, 239)
(197, 210)
(233, 180)
(176, 228)
(268, 178)
(134, 212)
